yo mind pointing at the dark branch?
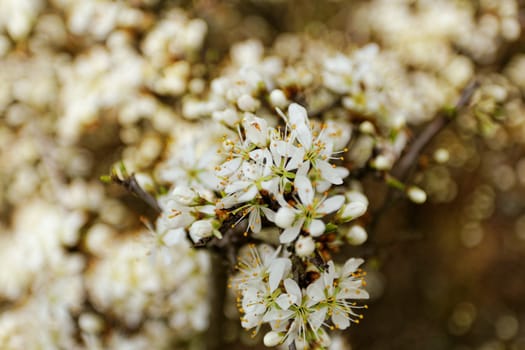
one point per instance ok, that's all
(402, 168)
(131, 185)
(406, 163)
(217, 295)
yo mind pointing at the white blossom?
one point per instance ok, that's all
(309, 210)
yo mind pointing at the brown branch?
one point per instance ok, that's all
(131, 184)
(405, 164)
(403, 167)
(217, 298)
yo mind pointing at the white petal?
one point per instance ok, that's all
(340, 319)
(303, 169)
(329, 276)
(275, 314)
(315, 292)
(256, 129)
(352, 291)
(207, 209)
(268, 253)
(350, 266)
(300, 125)
(229, 167)
(305, 190)
(322, 186)
(249, 321)
(248, 195)
(328, 172)
(227, 202)
(261, 155)
(183, 194)
(331, 204)
(268, 213)
(297, 114)
(209, 179)
(316, 228)
(293, 289)
(297, 155)
(291, 233)
(285, 301)
(281, 148)
(342, 172)
(271, 186)
(236, 186)
(278, 269)
(175, 236)
(252, 302)
(317, 318)
(254, 221)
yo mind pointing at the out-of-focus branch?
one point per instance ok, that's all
(403, 167)
(219, 278)
(131, 184)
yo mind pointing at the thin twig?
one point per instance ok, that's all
(131, 184)
(402, 168)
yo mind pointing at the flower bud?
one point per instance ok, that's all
(367, 127)
(353, 210)
(201, 229)
(272, 339)
(304, 246)
(356, 196)
(441, 155)
(183, 195)
(284, 217)
(382, 162)
(278, 98)
(416, 195)
(356, 235)
(316, 228)
(90, 322)
(247, 103)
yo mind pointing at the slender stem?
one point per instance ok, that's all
(401, 171)
(402, 168)
(131, 184)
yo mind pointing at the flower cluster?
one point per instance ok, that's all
(284, 176)
(269, 167)
(298, 312)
